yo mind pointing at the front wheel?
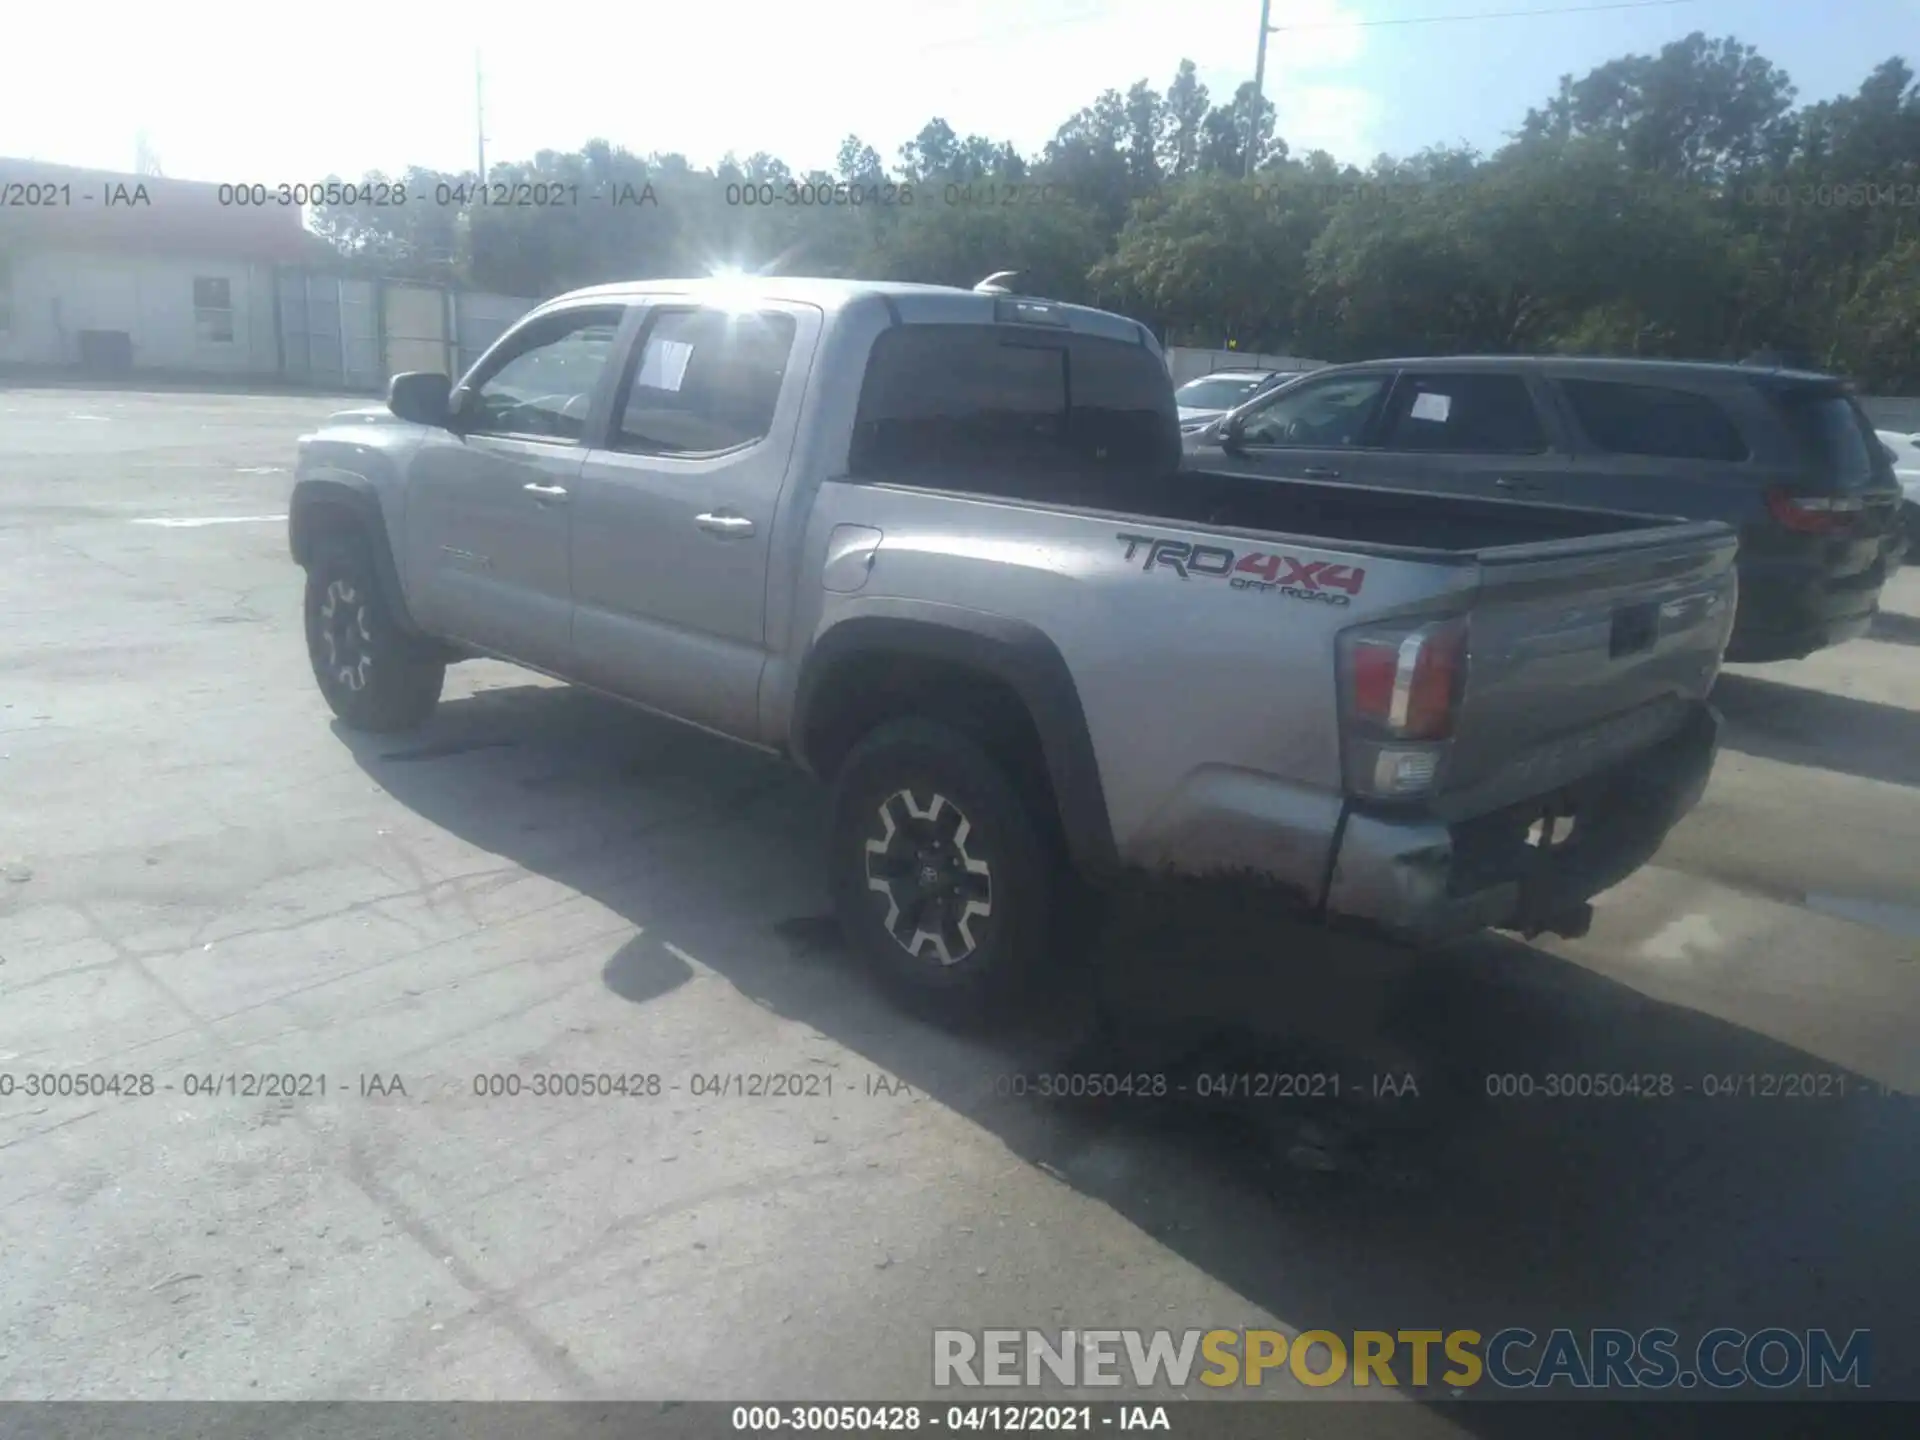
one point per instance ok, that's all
(941, 878)
(373, 676)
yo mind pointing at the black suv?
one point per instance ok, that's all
(1785, 456)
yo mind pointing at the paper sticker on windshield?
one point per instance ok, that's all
(664, 365)
(1429, 406)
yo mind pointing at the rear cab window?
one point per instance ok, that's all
(1012, 410)
(1657, 420)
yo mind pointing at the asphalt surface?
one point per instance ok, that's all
(202, 876)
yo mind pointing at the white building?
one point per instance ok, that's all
(111, 272)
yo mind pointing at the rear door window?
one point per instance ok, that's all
(1653, 420)
(1467, 413)
(1830, 433)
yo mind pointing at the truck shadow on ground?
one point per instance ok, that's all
(1418, 1195)
(1779, 721)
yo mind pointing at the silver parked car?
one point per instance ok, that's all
(935, 546)
(1210, 396)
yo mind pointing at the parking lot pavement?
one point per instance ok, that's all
(201, 878)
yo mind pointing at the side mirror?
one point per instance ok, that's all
(420, 396)
(1231, 433)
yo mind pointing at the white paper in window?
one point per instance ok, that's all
(1429, 406)
(664, 365)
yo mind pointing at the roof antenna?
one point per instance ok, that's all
(995, 284)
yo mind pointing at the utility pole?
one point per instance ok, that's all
(480, 113)
(1259, 82)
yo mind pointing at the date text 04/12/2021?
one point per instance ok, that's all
(196, 1084)
(464, 194)
(983, 1417)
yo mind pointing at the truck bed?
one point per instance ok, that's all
(1328, 513)
(1414, 519)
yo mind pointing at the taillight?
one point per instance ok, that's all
(1400, 687)
(1405, 682)
(1812, 514)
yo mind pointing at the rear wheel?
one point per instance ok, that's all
(373, 675)
(942, 880)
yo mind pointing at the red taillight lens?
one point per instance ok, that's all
(1405, 684)
(1812, 514)
(1375, 663)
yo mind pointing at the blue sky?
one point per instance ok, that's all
(240, 91)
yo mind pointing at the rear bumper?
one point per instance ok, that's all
(1789, 610)
(1428, 882)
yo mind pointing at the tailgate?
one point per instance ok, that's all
(1581, 652)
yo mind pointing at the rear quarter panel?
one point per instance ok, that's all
(1203, 693)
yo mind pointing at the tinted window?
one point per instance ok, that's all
(546, 387)
(1469, 413)
(953, 403)
(1829, 432)
(1653, 420)
(705, 381)
(1332, 412)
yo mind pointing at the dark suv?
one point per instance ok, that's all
(1785, 456)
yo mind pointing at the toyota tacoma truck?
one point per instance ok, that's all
(935, 546)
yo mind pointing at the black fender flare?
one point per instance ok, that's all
(1015, 652)
(353, 496)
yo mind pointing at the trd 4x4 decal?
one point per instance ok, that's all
(1322, 580)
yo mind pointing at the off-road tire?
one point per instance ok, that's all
(942, 879)
(374, 676)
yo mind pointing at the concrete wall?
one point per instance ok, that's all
(417, 329)
(1186, 364)
(330, 331)
(57, 295)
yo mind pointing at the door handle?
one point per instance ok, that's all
(1508, 482)
(731, 526)
(547, 494)
(1319, 472)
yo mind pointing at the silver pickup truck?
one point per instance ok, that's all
(934, 546)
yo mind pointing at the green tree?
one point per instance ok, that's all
(1215, 259)
(1878, 339)
(1183, 120)
(1224, 133)
(1709, 111)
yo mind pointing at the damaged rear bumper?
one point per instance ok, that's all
(1429, 881)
